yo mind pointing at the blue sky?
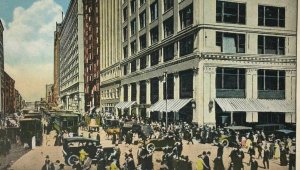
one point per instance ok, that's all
(28, 43)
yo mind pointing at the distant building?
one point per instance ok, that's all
(91, 53)
(18, 101)
(49, 93)
(56, 64)
(71, 58)
(9, 94)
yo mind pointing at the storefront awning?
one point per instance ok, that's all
(255, 105)
(125, 105)
(173, 105)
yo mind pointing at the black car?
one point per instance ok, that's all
(72, 147)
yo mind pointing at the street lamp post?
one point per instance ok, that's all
(166, 94)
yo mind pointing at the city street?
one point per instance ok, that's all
(34, 159)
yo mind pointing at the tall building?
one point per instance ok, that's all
(9, 94)
(71, 58)
(1, 68)
(110, 53)
(56, 99)
(91, 54)
(215, 61)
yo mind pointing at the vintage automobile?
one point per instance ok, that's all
(159, 144)
(73, 145)
(111, 126)
(269, 128)
(227, 137)
(285, 133)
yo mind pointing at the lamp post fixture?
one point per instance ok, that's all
(166, 94)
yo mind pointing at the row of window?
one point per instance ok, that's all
(235, 13)
(185, 88)
(186, 46)
(234, 78)
(235, 43)
(186, 19)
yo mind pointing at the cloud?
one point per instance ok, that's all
(28, 47)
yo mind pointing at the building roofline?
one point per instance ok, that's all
(1, 26)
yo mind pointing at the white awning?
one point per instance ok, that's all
(173, 105)
(255, 105)
(125, 105)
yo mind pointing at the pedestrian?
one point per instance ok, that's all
(200, 163)
(292, 156)
(283, 159)
(114, 138)
(56, 165)
(266, 157)
(129, 162)
(218, 163)
(61, 166)
(98, 138)
(251, 152)
(190, 137)
(277, 150)
(220, 150)
(259, 149)
(272, 150)
(47, 165)
(206, 159)
(254, 164)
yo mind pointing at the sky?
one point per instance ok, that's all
(29, 27)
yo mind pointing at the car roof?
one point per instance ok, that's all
(76, 139)
(286, 131)
(238, 128)
(271, 124)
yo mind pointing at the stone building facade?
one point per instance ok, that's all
(71, 57)
(110, 53)
(9, 94)
(215, 61)
(1, 67)
(56, 64)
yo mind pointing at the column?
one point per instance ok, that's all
(209, 92)
(138, 97)
(129, 98)
(176, 86)
(176, 50)
(251, 92)
(67, 100)
(161, 88)
(290, 93)
(195, 98)
(148, 95)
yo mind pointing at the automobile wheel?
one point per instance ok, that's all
(72, 159)
(216, 142)
(150, 147)
(225, 142)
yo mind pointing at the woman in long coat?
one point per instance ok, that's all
(277, 150)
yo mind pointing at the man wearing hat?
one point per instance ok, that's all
(266, 157)
(292, 155)
(254, 164)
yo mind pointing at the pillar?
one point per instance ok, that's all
(195, 80)
(137, 98)
(176, 86)
(129, 97)
(148, 97)
(290, 93)
(251, 92)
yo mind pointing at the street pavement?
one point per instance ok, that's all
(34, 159)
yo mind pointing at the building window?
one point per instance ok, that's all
(125, 51)
(143, 62)
(271, 16)
(168, 27)
(133, 6)
(271, 45)
(168, 52)
(133, 92)
(186, 16)
(133, 47)
(133, 26)
(168, 4)
(154, 58)
(142, 2)
(271, 80)
(154, 11)
(143, 43)
(143, 92)
(231, 12)
(133, 66)
(187, 45)
(154, 35)
(170, 87)
(125, 87)
(186, 84)
(154, 90)
(125, 70)
(230, 42)
(125, 33)
(143, 19)
(230, 78)
(125, 14)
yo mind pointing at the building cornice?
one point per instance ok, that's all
(110, 67)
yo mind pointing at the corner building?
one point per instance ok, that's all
(223, 62)
(71, 57)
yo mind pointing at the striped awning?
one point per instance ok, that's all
(255, 105)
(173, 105)
(125, 105)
